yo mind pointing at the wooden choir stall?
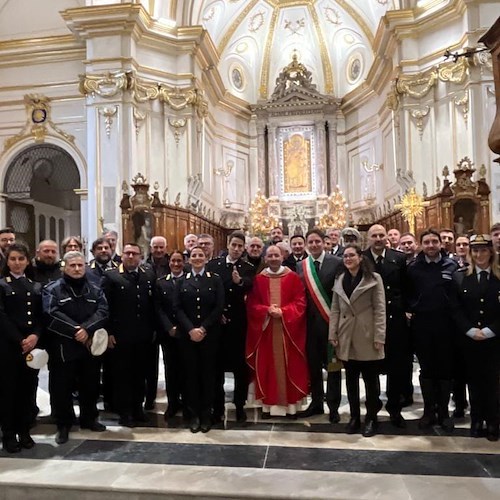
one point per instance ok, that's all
(145, 216)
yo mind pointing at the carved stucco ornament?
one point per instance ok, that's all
(108, 84)
(416, 85)
(454, 72)
(38, 122)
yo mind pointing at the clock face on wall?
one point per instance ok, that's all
(39, 115)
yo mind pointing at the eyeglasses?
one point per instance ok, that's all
(349, 255)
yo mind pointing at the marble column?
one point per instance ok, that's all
(319, 129)
(332, 142)
(274, 171)
(261, 157)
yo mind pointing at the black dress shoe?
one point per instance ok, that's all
(476, 429)
(62, 435)
(11, 444)
(371, 427)
(126, 421)
(353, 426)
(172, 410)
(149, 405)
(206, 425)
(94, 426)
(334, 417)
(140, 417)
(310, 411)
(406, 401)
(265, 415)
(241, 414)
(492, 432)
(26, 441)
(194, 425)
(459, 413)
(398, 421)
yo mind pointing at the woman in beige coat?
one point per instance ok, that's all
(357, 332)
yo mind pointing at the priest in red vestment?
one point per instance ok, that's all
(276, 338)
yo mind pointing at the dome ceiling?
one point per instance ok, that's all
(256, 39)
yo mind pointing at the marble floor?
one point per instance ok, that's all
(269, 459)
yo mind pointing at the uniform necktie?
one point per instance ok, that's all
(378, 263)
(483, 281)
(317, 265)
(134, 275)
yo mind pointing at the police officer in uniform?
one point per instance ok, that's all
(237, 276)
(478, 322)
(20, 329)
(168, 333)
(101, 250)
(130, 290)
(431, 300)
(198, 306)
(75, 309)
(391, 265)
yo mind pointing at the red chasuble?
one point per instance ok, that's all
(276, 347)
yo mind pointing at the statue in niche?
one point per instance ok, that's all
(143, 230)
(465, 217)
(297, 164)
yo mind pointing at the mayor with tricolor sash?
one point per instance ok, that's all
(318, 275)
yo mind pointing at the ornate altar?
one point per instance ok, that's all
(296, 144)
(145, 216)
(463, 206)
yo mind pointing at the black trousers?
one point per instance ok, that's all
(483, 372)
(231, 358)
(200, 361)
(16, 385)
(64, 377)
(174, 370)
(316, 350)
(369, 370)
(129, 377)
(433, 337)
(334, 390)
(153, 358)
(398, 364)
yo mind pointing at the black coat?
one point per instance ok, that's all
(20, 311)
(292, 263)
(132, 317)
(477, 308)
(393, 273)
(199, 302)
(164, 304)
(234, 303)
(66, 309)
(431, 288)
(43, 273)
(95, 272)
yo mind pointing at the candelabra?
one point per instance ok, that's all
(336, 216)
(261, 221)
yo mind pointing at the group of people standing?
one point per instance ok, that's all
(276, 315)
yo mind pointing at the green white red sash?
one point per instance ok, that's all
(315, 288)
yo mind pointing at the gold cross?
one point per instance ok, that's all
(412, 205)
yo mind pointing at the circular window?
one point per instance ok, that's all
(237, 77)
(354, 68)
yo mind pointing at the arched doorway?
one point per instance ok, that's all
(41, 201)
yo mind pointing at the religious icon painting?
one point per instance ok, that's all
(237, 78)
(354, 68)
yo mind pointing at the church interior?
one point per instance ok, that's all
(169, 117)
